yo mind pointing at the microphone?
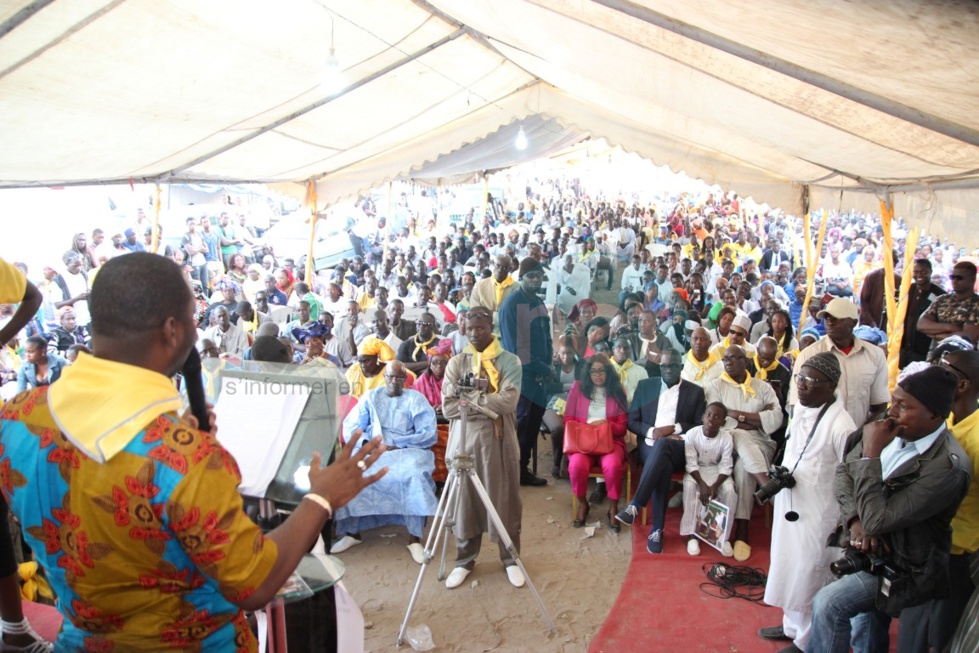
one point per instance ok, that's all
(191, 371)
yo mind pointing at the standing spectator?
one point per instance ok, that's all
(74, 288)
(196, 250)
(525, 330)
(956, 313)
(923, 293)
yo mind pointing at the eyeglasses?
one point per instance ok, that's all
(733, 358)
(808, 381)
(598, 372)
(431, 324)
(957, 277)
(944, 361)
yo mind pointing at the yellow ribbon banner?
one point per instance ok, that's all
(811, 266)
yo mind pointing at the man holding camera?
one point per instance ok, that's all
(491, 442)
(898, 490)
(806, 510)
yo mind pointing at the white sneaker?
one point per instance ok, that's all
(344, 543)
(457, 577)
(726, 550)
(515, 575)
(693, 547)
(417, 552)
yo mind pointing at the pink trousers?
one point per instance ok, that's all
(612, 464)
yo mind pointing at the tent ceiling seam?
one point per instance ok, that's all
(315, 105)
(22, 16)
(74, 29)
(811, 77)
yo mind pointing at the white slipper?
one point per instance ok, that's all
(457, 577)
(344, 543)
(515, 576)
(693, 547)
(417, 552)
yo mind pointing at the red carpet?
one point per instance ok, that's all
(661, 607)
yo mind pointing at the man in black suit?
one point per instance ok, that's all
(662, 410)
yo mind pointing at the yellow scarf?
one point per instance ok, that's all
(484, 361)
(702, 367)
(422, 346)
(499, 287)
(762, 372)
(101, 405)
(745, 387)
(622, 371)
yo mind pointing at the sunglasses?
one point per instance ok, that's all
(957, 277)
(808, 381)
(944, 361)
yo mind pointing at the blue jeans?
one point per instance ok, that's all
(849, 598)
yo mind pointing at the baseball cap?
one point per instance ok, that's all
(841, 309)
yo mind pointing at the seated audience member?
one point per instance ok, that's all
(270, 349)
(352, 329)
(629, 373)
(566, 372)
(662, 410)
(313, 338)
(228, 338)
(737, 336)
(406, 495)
(377, 319)
(709, 451)
(598, 399)
(39, 368)
(429, 383)
(365, 374)
(296, 326)
(755, 409)
(700, 364)
(139, 499)
(334, 346)
(66, 334)
(898, 490)
(412, 351)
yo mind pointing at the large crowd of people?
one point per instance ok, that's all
(669, 335)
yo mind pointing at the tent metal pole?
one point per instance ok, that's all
(795, 71)
(22, 16)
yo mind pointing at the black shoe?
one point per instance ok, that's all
(612, 526)
(578, 523)
(527, 478)
(598, 494)
(775, 634)
(556, 472)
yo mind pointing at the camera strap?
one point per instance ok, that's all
(812, 432)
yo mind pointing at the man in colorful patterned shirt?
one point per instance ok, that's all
(132, 511)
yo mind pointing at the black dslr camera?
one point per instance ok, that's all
(854, 561)
(779, 478)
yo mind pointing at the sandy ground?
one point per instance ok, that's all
(577, 577)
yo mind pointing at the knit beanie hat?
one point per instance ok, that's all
(934, 387)
(826, 363)
(528, 264)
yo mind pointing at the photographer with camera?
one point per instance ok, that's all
(898, 490)
(489, 377)
(806, 510)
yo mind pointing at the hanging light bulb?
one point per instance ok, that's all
(332, 77)
(521, 142)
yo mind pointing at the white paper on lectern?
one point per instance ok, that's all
(350, 622)
(257, 427)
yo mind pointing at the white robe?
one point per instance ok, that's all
(800, 557)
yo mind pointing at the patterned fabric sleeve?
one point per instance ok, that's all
(205, 512)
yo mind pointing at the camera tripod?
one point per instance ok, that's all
(462, 468)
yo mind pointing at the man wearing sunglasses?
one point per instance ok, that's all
(956, 313)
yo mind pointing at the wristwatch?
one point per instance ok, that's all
(741, 417)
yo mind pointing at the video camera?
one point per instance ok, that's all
(854, 561)
(470, 382)
(779, 478)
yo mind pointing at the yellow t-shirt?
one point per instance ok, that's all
(12, 284)
(965, 523)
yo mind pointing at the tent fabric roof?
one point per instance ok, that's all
(837, 102)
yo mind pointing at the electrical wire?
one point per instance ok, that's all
(727, 582)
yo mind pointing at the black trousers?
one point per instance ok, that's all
(530, 415)
(660, 462)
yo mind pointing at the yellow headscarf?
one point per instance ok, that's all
(484, 361)
(374, 346)
(101, 405)
(762, 372)
(745, 387)
(702, 368)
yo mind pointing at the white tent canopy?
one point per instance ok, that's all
(798, 101)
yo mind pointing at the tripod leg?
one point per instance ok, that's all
(451, 487)
(449, 521)
(508, 543)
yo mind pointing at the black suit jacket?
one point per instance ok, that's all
(689, 408)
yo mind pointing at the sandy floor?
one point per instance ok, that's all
(578, 580)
